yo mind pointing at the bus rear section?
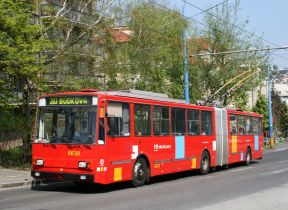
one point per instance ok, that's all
(239, 136)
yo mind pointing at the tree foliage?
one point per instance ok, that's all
(224, 33)
(261, 107)
(21, 61)
(152, 59)
(279, 113)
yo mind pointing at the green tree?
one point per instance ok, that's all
(21, 59)
(280, 113)
(261, 107)
(225, 33)
(152, 60)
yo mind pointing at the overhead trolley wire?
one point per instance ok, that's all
(227, 22)
(192, 19)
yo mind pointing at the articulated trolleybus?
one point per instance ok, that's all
(111, 136)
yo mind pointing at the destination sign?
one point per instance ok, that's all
(77, 100)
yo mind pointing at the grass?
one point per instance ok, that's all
(13, 158)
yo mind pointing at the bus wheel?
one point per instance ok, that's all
(140, 173)
(205, 163)
(248, 157)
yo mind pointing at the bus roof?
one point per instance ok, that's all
(142, 95)
(139, 94)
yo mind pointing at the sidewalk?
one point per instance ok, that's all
(15, 178)
(276, 148)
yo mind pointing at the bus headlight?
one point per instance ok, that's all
(83, 164)
(39, 162)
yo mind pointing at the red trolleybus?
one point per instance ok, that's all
(111, 136)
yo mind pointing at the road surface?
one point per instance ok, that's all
(262, 185)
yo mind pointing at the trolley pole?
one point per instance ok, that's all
(186, 78)
(270, 110)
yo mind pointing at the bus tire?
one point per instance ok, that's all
(205, 163)
(139, 173)
(248, 157)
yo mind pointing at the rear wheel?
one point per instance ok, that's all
(248, 157)
(140, 173)
(205, 163)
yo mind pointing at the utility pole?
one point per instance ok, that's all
(186, 78)
(270, 109)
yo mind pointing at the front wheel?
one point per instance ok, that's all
(140, 173)
(205, 163)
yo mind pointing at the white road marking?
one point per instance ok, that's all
(274, 172)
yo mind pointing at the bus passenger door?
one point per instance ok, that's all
(119, 149)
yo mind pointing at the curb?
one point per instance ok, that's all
(16, 184)
(31, 183)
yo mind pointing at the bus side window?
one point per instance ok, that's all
(248, 125)
(233, 124)
(178, 121)
(142, 120)
(193, 122)
(161, 121)
(260, 126)
(206, 119)
(255, 125)
(118, 119)
(241, 125)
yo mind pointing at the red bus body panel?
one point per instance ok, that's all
(114, 160)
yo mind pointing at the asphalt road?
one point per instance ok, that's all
(262, 185)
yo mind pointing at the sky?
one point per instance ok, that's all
(267, 19)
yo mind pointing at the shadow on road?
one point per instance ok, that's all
(88, 188)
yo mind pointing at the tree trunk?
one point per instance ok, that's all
(27, 134)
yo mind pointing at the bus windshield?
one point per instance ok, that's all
(66, 125)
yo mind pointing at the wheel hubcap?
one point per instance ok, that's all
(138, 171)
(248, 157)
(205, 163)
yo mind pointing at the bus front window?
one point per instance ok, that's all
(75, 125)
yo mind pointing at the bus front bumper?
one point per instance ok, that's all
(62, 176)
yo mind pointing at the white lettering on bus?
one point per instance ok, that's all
(159, 147)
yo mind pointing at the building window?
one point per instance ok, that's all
(161, 121)
(194, 122)
(142, 120)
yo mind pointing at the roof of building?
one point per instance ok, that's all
(121, 34)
